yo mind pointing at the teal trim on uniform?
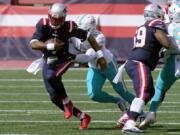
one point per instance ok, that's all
(165, 80)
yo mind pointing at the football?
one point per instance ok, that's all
(58, 43)
(53, 40)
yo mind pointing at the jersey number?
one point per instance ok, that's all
(140, 37)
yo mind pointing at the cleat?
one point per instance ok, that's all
(68, 110)
(85, 121)
(122, 105)
(122, 120)
(130, 127)
(149, 119)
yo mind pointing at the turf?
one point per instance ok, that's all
(25, 108)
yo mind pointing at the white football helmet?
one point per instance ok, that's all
(173, 9)
(57, 14)
(176, 17)
(86, 22)
(153, 11)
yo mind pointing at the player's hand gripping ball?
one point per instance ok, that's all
(58, 44)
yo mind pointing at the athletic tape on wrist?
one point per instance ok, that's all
(50, 46)
(100, 54)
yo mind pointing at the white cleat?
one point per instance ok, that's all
(130, 127)
(122, 120)
(149, 119)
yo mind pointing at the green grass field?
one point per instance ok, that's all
(25, 108)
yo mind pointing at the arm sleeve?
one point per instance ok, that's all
(84, 58)
(101, 40)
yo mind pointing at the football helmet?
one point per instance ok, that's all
(57, 14)
(176, 17)
(173, 9)
(153, 11)
(86, 22)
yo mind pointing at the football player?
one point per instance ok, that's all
(56, 57)
(148, 41)
(96, 77)
(170, 73)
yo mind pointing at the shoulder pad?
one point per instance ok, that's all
(71, 26)
(156, 23)
(44, 21)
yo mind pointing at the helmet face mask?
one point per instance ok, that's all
(57, 15)
(173, 9)
(86, 22)
(176, 17)
(153, 11)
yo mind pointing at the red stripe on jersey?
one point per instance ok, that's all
(154, 22)
(44, 21)
(71, 26)
(62, 68)
(142, 80)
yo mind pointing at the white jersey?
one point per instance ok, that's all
(174, 34)
(90, 56)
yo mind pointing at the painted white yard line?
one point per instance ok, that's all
(79, 69)
(89, 111)
(67, 86)
(73, 94)
(174, 133)
(18, 134)
(93, 121)
(41, 86)
(82, 102)
(40, 80)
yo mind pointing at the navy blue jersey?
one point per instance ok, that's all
(146, 47)
(67, 30)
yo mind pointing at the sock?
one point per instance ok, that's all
(66, 100)
(77, 113)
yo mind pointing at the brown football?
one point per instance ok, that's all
(52, 40)
(58, 43)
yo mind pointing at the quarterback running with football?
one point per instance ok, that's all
(56, 58)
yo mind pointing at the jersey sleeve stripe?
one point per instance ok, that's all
(71, 26)
(44, 21)
(153, 22)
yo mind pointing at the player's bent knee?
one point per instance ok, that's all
(94, 96)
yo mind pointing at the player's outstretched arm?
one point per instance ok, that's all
(161, 36)
(101, 60)
(50, 45)
(38, 45)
